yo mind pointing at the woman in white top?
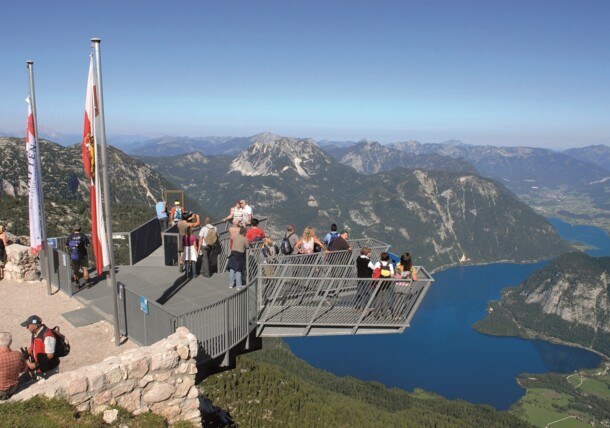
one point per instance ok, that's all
(308, 241)
(231, 216)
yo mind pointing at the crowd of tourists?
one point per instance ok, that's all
(197, 256)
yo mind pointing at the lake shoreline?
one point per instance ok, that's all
(535, 335)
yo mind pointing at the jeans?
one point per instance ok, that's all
(234, 276)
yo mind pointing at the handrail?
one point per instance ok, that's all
(331, 295)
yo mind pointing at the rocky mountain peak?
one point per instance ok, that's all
(279, 156)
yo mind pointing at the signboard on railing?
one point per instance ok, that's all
(144, 305)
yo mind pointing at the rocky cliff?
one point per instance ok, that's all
(569, 300)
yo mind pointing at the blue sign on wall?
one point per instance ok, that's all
(52, 242)
(144, 305)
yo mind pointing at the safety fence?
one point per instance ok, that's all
(219, 327)
(296, 298)
(143, 321)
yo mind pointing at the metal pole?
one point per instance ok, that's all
(106, 186)
(43, 232)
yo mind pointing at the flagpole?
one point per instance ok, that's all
(45, 245)
(106, 186)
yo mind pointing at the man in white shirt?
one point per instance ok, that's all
(246, 213)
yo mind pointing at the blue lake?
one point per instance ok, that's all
(441, 352)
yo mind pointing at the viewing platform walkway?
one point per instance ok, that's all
(297, 295)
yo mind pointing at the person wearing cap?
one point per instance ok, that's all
(77, 244)
(42, 348)
(175, 214)
(12, 365)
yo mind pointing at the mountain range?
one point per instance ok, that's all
(433, 205)
(572, 185)
(442, 217)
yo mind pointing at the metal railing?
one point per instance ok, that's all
(143, 321)
(330, 296)
(223, 325)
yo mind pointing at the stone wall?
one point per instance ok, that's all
(21, 265)
(159, 378)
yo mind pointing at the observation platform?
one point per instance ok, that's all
(297, 295)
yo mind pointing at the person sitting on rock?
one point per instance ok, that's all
(12, 365)
(44, 362)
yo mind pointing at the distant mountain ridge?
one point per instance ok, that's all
(518, 167)
(372, 157)
(170, 146)
(598, 155)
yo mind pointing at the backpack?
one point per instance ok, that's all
(211, 237)
(62, 346)
(74, 246)
(285, 246)
(178, 213)
(333, 236)
(385, 271)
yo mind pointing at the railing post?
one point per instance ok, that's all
(225, 361)
(130, 249)
(259, 291)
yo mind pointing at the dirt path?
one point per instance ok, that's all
(89, 344)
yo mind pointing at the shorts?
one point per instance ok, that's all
(76, 265)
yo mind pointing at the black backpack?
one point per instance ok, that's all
(285, 246)
(62, 346)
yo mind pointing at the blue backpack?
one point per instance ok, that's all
(331, 238)
(74, 246)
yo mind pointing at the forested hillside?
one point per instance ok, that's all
(273, 388)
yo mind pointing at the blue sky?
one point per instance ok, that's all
(533, 73)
